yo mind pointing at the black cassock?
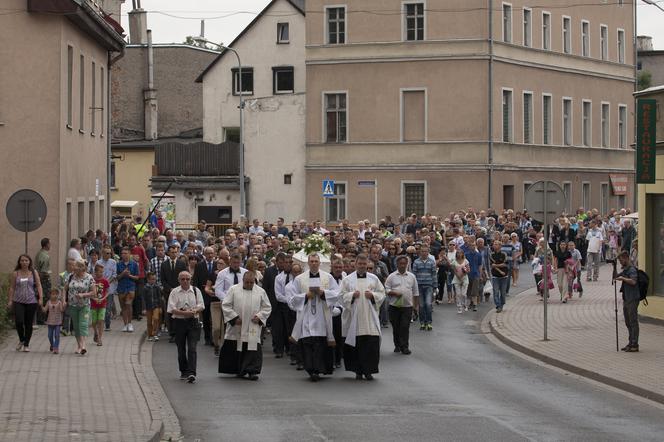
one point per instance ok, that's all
(242, 362)
(364, 357)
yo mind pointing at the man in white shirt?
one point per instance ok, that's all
(230, 276)
(403, 295)
(256, 228)
(314, 295)
(595, 239)
(185, 304)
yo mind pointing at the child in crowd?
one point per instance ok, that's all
(54, 308)
(576, 255)
(98, 305)
(152, 298)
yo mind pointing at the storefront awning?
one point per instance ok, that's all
(125, 204)
(619, 184)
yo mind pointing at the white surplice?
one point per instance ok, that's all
(360, 315)
(314, 315)
(244, 304)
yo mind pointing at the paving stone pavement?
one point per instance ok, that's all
(110, 394)
(582, 337)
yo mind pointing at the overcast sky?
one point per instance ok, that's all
(233, 15)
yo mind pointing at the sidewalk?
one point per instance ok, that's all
(582, 337)
(110, 394)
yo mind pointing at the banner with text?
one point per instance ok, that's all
(646, 113)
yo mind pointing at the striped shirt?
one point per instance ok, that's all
(425, 272)
(155, 267)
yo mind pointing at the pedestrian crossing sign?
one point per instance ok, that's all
(328, 188)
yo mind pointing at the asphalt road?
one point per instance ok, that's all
(456, 386)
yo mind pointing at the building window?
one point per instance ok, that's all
(91, 215)
(335, 206)
(585, 38)
(80, 219)
(622, 126)
(102, 101)
(284, 80)
(70, 85)
(336, 25)
(413, 115)
(507, 116)
(112, 178)
(605, 125)
(68, 221)
(604, 42)
(414, 25)
(567, 190)
(527, 27)
(621, 46)
(335, 116)
(546, 31)
(93, 89)
(81, 93)
(526, 186)
(247, 81)
(604, 198)
(567, 35)
(527, 117)
(567, 121)
(586, 123)
(414, 198)
(232, 134)
(283, 33)
(288, 178)
(507, 23)
(585, 195)
(546, 119)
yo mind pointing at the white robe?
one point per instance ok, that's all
(244, 304)
(360, 317)
(309, 323)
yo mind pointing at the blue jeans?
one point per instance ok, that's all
(499, 290)
(426, 298)
(54, 336)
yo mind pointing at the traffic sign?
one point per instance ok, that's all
(545, 201)
(328, 188)
(26, 212)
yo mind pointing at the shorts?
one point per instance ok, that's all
(473, 287)
(126, 298)
(97, 314)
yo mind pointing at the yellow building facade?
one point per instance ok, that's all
(131, 170)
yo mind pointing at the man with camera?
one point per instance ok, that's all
(631, 297)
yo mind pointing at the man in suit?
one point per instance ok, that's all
(170, 269)
(206, 271)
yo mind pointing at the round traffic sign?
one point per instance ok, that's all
(547, 194)
(26, 210)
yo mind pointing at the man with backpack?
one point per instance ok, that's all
(631, 297)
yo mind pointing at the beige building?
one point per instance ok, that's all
(54, 65)
(444, 108)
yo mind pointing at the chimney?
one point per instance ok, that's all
(150, 95)
(138, 24)
(643, 43)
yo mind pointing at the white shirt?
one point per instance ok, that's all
(405, 284)
(226, 280)
(280, 286)
(74, 254)
(595, 238)
(179, 299)
(314, 321)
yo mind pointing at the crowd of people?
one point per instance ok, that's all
(249, 281)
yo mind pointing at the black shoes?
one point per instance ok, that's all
(299, 367)
(358, 377)
(279, 355)
(406, 351)
(171, 340)
(183, 377)
(315, 377)
(253, 377)
(369, 377)
(397, 349)
(630, 348)
(191, 379)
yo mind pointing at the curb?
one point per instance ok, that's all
(165, 425)
(625, 386)
(650, 320)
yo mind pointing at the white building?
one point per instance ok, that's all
(272, 52)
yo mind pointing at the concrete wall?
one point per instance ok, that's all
(133, 171)
(186, 207)
(654, 63)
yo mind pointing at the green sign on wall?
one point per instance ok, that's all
(646, 139)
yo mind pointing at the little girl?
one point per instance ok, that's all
(54, 308)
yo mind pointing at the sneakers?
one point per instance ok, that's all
(429, 327)
(191, 379)
(55, 351)
(130, 328)
(155, 338)
(499, 309)
(465, 308)
(125, 329)
(423, 327)
(26, 349)
(459, 310)
(183, 377)
(19, 346)
(150, 339)
(474, 308)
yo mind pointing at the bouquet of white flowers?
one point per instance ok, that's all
(317, 243)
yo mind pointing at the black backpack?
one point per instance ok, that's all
(643, 281)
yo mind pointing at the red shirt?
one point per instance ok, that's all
(102, 290)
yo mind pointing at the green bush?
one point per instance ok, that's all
(5, 323)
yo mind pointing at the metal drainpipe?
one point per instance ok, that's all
(490, 103)
(636, 87)
(109, 135)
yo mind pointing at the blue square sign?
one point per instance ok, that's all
(328, 188)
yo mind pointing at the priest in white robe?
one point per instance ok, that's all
(314, 295)
(246, 308)
(363, 294)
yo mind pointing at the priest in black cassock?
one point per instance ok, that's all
(246, 308)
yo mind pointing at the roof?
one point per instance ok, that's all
(151, 144)
(297, 4)
(121, 203)
(650, 90)
(171, 46)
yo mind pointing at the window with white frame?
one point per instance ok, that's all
(70, 85)
(507, 116)
(621, 46)
(283, 81)
(604, 198)
(605, 124)
(336, 25)
(622, 126)
(586, 115)
(546, 31)
(604, 42)
(585, 195)
(567, 121)
(335, 206)
(527, 27)
(527, 117)
(567, 35)
(93, 90)
(335, 118)
(102, 80)
(283, 33)
(414, 21)
(414, 197)
(546, 119)
(585, 38)
(247, 81)
(81, 94)
(507, 23)
(567, 190)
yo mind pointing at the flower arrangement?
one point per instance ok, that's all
(317, 243)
